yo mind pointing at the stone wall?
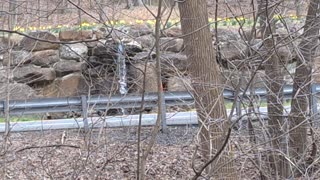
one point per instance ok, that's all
(73, 63)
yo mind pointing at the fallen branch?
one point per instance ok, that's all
(47, 146)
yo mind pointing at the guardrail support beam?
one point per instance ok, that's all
(85, 113)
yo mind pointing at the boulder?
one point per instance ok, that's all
(172, 62)
(45, 58)
(139, 30)
(3, 76)
(130, 47)
(17, 58)
(232, 77)
(146, 41)
(232, 50)
(73, 35)
(172, 32)
(142, 56)
(69, 85)
(176, 83)
(76, 51)
(30, 44)
(31, 74)
(65, 67)
(171, 44)
(226, 35)
(18, 91)
(105, 50)
(135, 72)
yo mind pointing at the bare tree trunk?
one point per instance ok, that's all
(301, 88)
(137, 2)
(207, 86)
(274, 71)
(129, 4)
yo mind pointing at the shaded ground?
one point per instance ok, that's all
(111, 154)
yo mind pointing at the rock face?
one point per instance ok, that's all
(173, 62)
(73, 35)
(171, 44)
(17, 91)
(29, 44)
(104, 50)
(31, 74)
(77, 51)
(69, 85)
(172, 32)
(146, 41)
(176, 83)
(231, 78)
(233, 50)
(139, 30)
(65, 67)
(137, 75)
(45, 58)
(17, 58)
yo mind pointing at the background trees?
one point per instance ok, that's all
(204, 47)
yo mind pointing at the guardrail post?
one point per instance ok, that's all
(84, 111)
(163, 114)
(314, 105)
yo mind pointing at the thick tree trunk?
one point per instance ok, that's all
(301, 87)
(207, 86)
(274, 71)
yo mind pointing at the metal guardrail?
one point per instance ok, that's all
(84, 103)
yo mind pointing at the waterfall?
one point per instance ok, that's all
(122, 71)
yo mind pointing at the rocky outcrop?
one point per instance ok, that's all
(45, 58)
(77, 51)
(70, 85)
(65, 67)
(176, 83)
(72, 35)
(31, 74)
(17, 91)
(171, 44)
(17, 58)
(38, 41)
(136, 72)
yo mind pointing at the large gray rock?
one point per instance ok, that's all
(32, 44)
(142, 56)
(130, 47)
(176, 83)
(17, 91)
(139, 30)
(232, 78)
(104, 50)
(73, 35)
(171, 44)
(65, 67)
(146, 41)
(69, 85)
(3, 76)
(136, 73)
(172, 32)
(77, 51)
(45, 58)
(173, 62)
(31, 74)
(17, 58)
(226, 35)
(232, 50)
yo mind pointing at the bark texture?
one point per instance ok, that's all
(298, 117)
(208, 89)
